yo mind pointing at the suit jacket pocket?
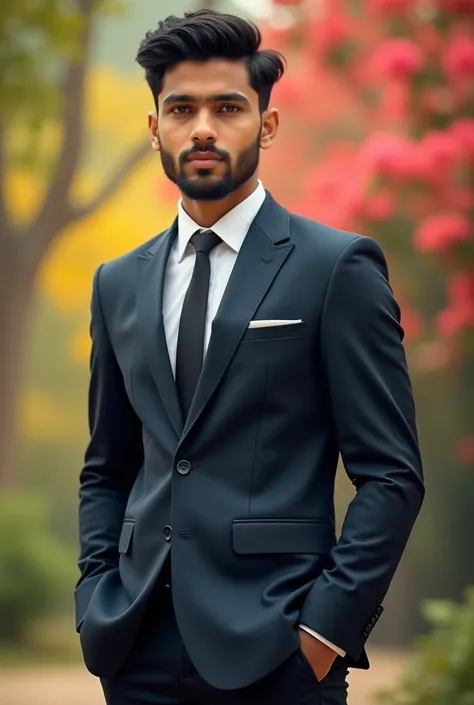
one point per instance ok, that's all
(292, 330)
(282, 536)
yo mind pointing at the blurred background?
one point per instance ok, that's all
(377, 137)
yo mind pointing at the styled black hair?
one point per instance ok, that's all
(204, 35)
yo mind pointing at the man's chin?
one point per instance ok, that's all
(205, 188)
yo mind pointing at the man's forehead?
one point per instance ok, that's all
(207, 77)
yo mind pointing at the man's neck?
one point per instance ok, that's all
(207, 213)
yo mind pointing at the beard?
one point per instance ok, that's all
(204, 186)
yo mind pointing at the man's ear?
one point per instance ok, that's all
(270, 123)
(153, 127)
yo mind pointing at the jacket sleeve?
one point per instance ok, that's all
(112, 460)
(374, 421)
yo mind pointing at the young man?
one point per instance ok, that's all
(235, 356)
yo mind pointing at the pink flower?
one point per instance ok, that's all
(458, 58)
(329, 32)
(460, 312)
(440, 231)
(398, 58)
(336, 198)
(330, 186)
(461, 290)
(437, 154)
(381, 206)
(463, 131)
(453, 320)
(388, 154)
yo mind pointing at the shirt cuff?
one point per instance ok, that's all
(335, 648)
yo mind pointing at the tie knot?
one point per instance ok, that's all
(205, 241)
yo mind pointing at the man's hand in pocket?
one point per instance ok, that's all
(320, 656)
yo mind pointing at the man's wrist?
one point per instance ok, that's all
(340, 652)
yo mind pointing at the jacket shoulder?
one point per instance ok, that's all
(129, 257)
(121, 269)
(326, 243)
(323, 237)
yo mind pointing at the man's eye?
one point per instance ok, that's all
(180, 109)
(229, 109)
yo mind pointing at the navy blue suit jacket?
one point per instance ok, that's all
(245, 484)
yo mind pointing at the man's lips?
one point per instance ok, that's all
(204, 159)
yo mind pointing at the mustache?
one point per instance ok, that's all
(199, 148)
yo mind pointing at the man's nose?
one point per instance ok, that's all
(204, 130)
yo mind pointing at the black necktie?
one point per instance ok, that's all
(190, 351)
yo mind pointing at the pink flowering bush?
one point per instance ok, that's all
(378, 138)
(413, 174)
(398, 59)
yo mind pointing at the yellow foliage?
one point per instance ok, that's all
(24, 192)
(44, 419)
(80, 347)
(25, 187)
(131, 217)
(117, 106)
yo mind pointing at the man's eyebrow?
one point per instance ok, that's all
(228, 97)
(219, 98)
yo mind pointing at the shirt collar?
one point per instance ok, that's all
(231, 228)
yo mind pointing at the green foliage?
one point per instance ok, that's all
(442, 670)
(34, 37)
(37, 38)
(36, 571)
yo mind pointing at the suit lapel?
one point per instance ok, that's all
(151, 278)
(263, 253)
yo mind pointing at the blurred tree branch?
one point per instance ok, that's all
(54, 212)
(132, 160)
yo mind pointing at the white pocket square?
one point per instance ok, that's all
(268, 324)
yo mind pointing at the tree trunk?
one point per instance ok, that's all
(16, 287)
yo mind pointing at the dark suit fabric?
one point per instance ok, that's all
(246, 481)
(158, 671)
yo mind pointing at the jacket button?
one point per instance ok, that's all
(167, 532)
(183, 467)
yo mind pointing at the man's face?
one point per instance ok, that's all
(209, 128)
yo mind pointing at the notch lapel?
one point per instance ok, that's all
(263, 253)
(151, 279)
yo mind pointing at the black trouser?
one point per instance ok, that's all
(159, 671)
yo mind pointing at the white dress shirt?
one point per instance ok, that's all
(232, 228)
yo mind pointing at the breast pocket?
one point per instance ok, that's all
(281, 332)
(125, 541)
